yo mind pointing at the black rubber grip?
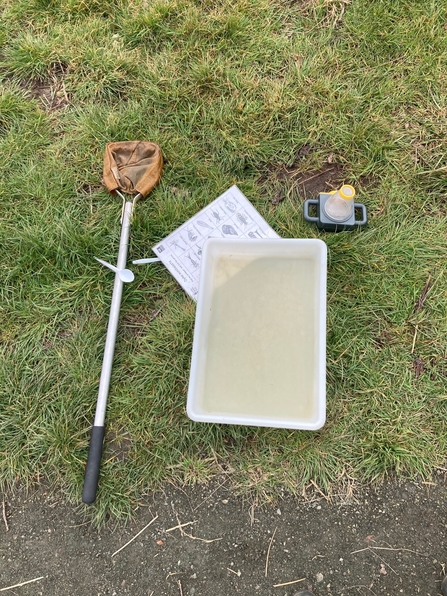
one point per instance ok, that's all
(93, 465)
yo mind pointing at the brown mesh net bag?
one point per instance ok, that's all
(133, 167)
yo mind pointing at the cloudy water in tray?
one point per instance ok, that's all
(261, 349)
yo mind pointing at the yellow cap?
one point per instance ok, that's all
(347, 192)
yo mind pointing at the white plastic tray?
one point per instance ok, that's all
(259, 353)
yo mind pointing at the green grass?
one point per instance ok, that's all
(231, 91)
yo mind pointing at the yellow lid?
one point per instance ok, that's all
(347, 192)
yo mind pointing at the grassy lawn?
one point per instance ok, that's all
(265, 94)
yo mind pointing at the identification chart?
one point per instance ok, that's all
(230, 216)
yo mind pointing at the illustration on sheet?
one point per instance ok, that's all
(229, 216)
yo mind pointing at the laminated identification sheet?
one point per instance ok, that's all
(230, 216)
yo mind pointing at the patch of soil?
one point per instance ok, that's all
(90, 189)
(308, 183)
(49, 95)
(418, 367)
(385, 338)
(385, 541)
(51, 92)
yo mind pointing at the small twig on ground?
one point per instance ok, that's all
(268, 552)
(252, 511)
(414, 339)
(210, 495)
(238, 573)
(408, 550)
(64, 91)
(180, 526)
(423, 296)
(252, 514)
(201, 539)
(155, 313)
(136, 536)
(433, 171)
(383, 562)
(180, 587)
(295, 581)
(80, 525)
(30, 581)
(4, 516)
